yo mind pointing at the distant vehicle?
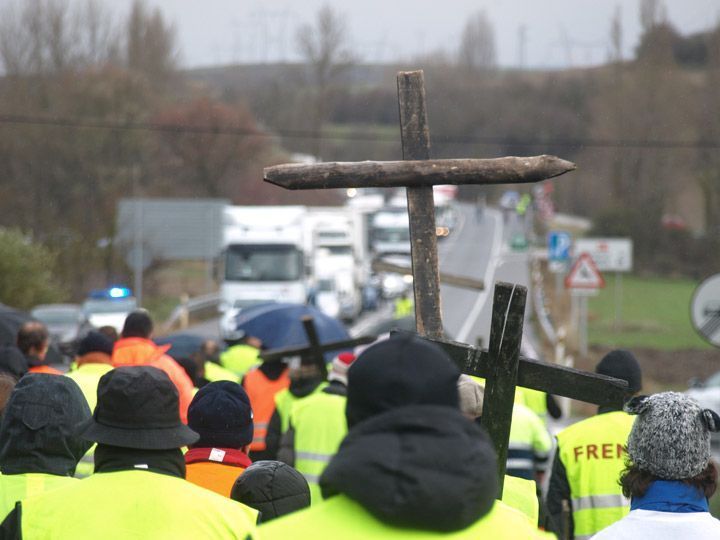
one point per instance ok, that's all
(66, 323)
(263, 259)
(391, 231)
(109, 307)
(327, 298)
(509, 200)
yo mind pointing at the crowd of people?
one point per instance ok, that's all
(133, 443)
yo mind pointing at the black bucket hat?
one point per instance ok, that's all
(137, 407)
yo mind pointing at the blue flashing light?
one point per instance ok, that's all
(119, 292)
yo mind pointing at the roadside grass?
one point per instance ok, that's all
(654, 313)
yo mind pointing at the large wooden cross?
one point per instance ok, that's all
(418, 174)
(501, 365)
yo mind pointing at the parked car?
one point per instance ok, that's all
(66, 324)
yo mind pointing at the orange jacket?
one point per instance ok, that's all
(215, 469)
(45, 369)
(143, 352)
(261, 392)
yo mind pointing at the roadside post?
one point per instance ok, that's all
(583, 280)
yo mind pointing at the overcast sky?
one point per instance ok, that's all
(558, 32)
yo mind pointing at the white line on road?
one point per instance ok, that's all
(487, 279)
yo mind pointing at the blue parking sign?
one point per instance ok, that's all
(559, 243)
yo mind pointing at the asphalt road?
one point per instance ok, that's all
(477, 248)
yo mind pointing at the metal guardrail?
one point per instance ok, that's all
(180, 316)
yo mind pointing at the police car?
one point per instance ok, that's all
(109, 307)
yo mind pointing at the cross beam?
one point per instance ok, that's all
(503, 369)
(447, 279)
(418, 174)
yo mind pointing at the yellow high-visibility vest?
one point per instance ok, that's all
(593, 453)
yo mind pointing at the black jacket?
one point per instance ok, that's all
(420, 466)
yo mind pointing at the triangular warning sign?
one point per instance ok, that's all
(584, 274)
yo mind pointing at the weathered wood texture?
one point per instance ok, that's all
(308, 351)
(506, 330)
(551, 378)
(448, 279)
(316, 355)
(505, 170)
(415, 133)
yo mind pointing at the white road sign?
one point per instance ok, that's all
(705, 309)
(609, 254)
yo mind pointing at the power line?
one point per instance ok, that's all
(579, 143)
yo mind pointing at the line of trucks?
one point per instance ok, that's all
(317, 255)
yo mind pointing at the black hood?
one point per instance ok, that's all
(40, 425)
(420, 466)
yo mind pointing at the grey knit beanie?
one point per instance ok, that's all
(671, 435)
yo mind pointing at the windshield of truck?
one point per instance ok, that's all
(263, 263)
(394, 235)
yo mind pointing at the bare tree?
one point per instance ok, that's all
(151, 47)
(616, 36)
(324, 47)
(477, 44)
(652, 13)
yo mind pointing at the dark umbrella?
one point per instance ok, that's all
(182, 345)
(10, 322)
(279, 325)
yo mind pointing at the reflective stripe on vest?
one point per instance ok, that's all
(592, 452)
(262, 391)
(319, 423)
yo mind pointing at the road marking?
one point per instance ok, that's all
(487, 279)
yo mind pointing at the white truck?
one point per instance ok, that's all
(390, 231)
(263, 258)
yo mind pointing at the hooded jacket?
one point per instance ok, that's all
(38, 430)
(39, 448)
(420, 466)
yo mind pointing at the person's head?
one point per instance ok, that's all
(273, 488)
(7, 384)
(210, 351)
(670, 440)
(340, 366)
(471, 394)
(137, 408)
(109, 332)
(622, 364)
(13, 362)
(33, 339)
(39, 427)
(221, 414)
(138, 324)
(397, 372)
(94, 348)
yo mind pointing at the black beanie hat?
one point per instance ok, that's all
(622, 364)
(400, 371)
(95, 342)
(273, 488)
(221, 413)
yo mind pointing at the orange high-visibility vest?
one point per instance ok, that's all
(261, 392)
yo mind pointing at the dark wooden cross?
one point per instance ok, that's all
(418, 174)
(501, 365)
(315, 350)
(504, 369)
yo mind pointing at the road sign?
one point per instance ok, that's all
(584, 274)
(559, 243)
(609, 254)
(705, 310)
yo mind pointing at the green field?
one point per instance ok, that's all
(655, 313)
